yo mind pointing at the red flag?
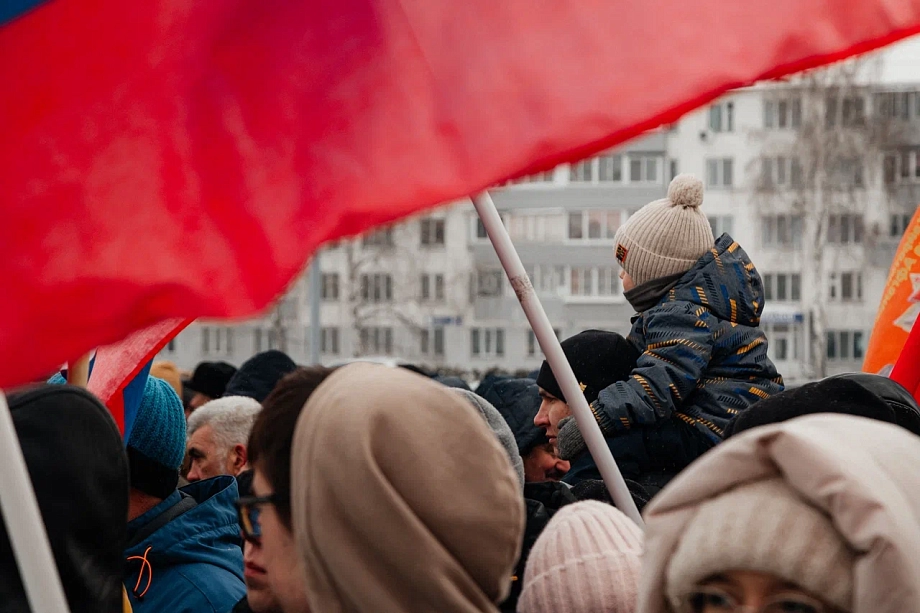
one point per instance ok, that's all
(116, 368)
(167, 158)
(906, 370)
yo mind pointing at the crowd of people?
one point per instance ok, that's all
(278, 488)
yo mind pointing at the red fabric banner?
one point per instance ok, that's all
(182, 159)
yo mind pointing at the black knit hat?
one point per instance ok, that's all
(518, 401)
(211, 378)
(599, 359)
(842, 396)
(895, 395)
(77, 464)
(259, 375)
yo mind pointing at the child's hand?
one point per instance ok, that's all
(569, 442)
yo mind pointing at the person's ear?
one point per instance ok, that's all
(240, 458)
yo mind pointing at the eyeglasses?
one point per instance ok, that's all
(714, 600)
(248, 512)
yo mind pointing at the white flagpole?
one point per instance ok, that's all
(543, 331)
(24, 524)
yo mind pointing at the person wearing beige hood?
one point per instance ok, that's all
(820, 514)
(402, 499)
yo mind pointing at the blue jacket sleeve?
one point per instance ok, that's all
(679, 345)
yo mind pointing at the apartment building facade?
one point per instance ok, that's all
(430, 290)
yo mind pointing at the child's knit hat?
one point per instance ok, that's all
(668, 236)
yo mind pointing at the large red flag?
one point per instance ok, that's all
(170, 158)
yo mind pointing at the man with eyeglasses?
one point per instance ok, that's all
(273, 569)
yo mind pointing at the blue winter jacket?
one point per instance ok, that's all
(703, 357)
(195, 560)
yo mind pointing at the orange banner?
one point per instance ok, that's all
(900, 305)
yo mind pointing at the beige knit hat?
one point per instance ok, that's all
(764, 527)
(666, 237)
(587, 560)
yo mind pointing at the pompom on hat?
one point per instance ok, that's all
(668, 236)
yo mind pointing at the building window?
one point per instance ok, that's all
(425, 341)
(845, 345)
(781, 171)
(376, 341)
(487, 342)
(595, 224)
(432, 232)
(847, 172)
(380, 238)
(277, 338)
(257, 340)
(424, 338)
(594, 282)
(850, 111)
(432, 287)
(722, 117)
(607, 168)
(643, 169)
(480, 232)
(330, 341)
(845, 229)
(845, 286)
(674, 170)
(533, 346)
(171, 346)
(901, 106)
(330, 289)
(376, 287)
(719, 172)
(525, 226)
(216, 340)
(782, 113)
(549, 280)
(783, 287)
(721, 224)
(784, 342)
(898, 225)
(489, 283)
(902, 166)
(781, 231)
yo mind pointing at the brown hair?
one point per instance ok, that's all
(272, 434)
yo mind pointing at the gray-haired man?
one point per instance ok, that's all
(217, 437)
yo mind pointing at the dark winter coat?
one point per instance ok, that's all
(195, 560)
(542, 500)
(703, 356)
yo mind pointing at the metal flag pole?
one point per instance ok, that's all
(543, 331)
(24, 524)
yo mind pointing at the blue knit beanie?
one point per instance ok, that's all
(156, 446)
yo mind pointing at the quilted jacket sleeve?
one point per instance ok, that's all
(679, 346)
